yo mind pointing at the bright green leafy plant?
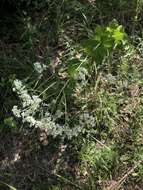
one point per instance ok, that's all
(103, 41)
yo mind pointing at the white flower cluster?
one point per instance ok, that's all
(81, 75)
(86, 119)
(39, 68)
(109, 78)
(31, 105)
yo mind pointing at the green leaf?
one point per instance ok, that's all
(72, 67)
(118, 36)
(10, 122)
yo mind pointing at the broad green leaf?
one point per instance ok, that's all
(10, 122)
(118, 36)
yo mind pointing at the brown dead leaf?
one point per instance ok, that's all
(134, 90)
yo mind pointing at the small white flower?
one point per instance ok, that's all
(18, 85)
(16, 111)
(39, 67)
(30, 120)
